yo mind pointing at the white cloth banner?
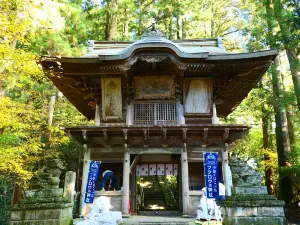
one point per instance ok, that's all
(138, 170)
(175, 170)
(156, 169)
(152, 168)
(169, 169)
(160, 169)
(144, 170)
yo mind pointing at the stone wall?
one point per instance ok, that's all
(42, 217)
(114, 196)
(194, 202)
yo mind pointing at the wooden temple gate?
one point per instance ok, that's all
(156, 97)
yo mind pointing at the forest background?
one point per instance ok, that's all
(32, 110)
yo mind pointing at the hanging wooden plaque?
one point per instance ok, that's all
(154, 87)
(111, 98)
(197, 96)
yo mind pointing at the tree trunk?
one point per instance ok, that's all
(106, 26)
(113, 21)
(177, 28)
(126, 24)
(183, 31)
(290, 51)
(170, 28)
(51, 109)
(268, 171)
(282, 136)
(2, 91)
(212, 27)
(288, 115)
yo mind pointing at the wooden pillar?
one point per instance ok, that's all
(226, 170)
(125, 188)
(129, 114)
(133, 191)
(97, 113)
(215, 119)
(185, 182)
(85, 172)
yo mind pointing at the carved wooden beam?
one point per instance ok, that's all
(154, 66)
(84, 135)
(184, 132)
(205, 134)
(125, 134)
(135, 162)
(105, 134)
(184, 147)
(68, 133)
(145, 134)
(165, 133)
(152, 59)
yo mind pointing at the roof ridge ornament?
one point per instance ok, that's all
(153, 32)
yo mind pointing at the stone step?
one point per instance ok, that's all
(163, 223)
(158, 220)
(161, 213)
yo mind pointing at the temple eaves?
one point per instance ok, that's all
(234, 74)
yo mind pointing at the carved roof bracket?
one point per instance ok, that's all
(125, 131)
(184, 132)
(153, 58)
(84, 135)
(145, 134)
(205, 134)
(184, 147)
(165, 133)
(226, 135)
(105, 134)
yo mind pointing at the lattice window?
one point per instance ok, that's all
(155, 114)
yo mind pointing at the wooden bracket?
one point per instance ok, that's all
(145, 134)
(205, 134)
(105, 134)
(165, 133)
(184, 147)
(226, 135)
(84, 136)
(125, 133)
(125, 147)
(184, 131)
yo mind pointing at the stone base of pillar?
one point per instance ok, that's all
(43, 207)
(250, 206)
(186, 216)
(253, 208)
(250, 202)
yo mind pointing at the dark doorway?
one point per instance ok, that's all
(157, 193)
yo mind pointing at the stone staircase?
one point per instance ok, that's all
(158, 220)
(153, 195)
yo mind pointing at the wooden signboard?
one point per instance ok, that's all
(197, 96)
(111, 98)
(154, 87)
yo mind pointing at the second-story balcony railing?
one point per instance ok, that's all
(155, 113)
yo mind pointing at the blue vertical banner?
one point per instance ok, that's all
(91, 182)
(211, 173)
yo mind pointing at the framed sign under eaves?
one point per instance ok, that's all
(197, 96)
(154, 87)
(111, 98)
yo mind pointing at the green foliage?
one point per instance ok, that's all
(62, 28)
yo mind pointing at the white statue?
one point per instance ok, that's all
(207, 208)
(100, 214)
